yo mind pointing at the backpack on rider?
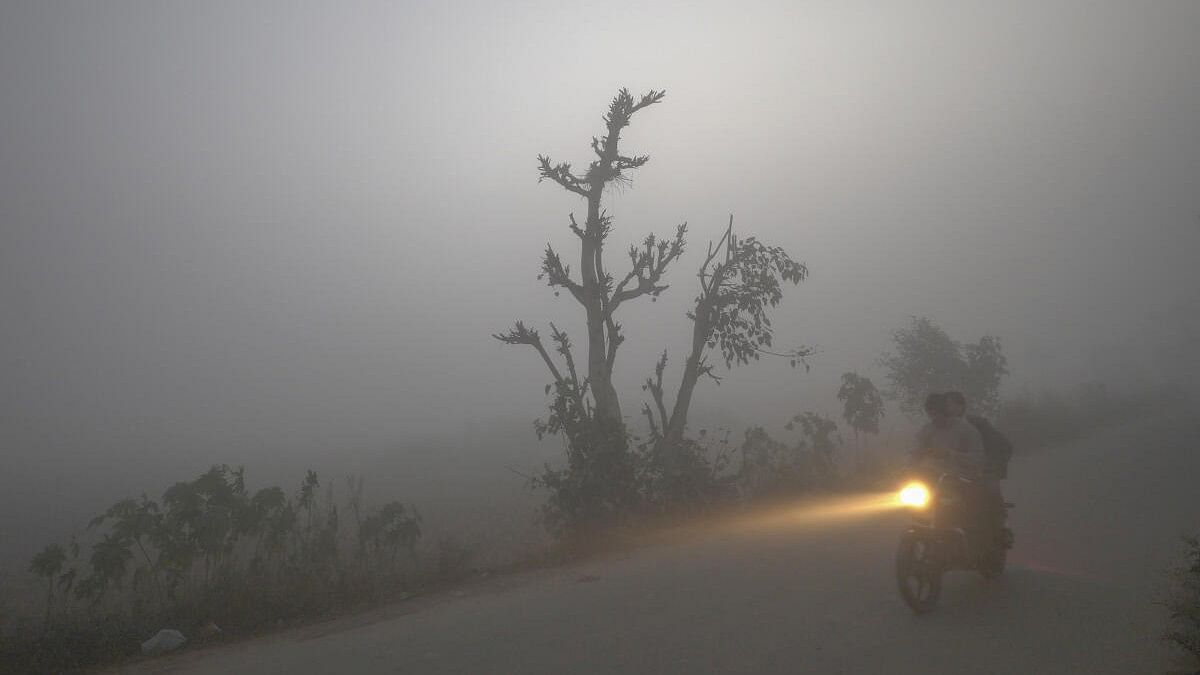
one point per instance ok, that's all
(996, 446)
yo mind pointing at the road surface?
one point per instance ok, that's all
(810, 590)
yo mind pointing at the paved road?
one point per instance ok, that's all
(810, 590)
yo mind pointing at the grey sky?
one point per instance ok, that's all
(266, 227)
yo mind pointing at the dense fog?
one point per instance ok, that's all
(282, 237)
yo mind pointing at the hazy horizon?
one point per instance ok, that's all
(262, 234)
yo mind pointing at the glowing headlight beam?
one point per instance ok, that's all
(821, 512)
(915, 495)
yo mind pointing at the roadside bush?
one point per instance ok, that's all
(609, 480)
(773, 468)
(210, 551)
(689, 476)
(606, 484)
(598, 486)
(1184, 603)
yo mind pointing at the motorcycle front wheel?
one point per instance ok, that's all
(918, 573)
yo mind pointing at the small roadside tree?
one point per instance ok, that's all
(818, 442)
(925, 359)
(862, 405)
(740, 280)
(137, 521)
(48, 564)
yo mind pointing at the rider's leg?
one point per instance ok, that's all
(992, 507)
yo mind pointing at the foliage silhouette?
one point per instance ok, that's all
(48, 565)
(862, 404)
(210, 551)
(1183, 605)
(925, 359)
(607, 478)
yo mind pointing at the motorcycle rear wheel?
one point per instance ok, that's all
(918, 573)
(992, 565)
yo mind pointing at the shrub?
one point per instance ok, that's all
(1184, 603)
(598, 487)
(772, 468)
(210, 551)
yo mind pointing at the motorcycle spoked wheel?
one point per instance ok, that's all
(918, 573)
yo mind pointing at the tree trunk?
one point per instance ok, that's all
(608, 407)
(858, 450)
(158, 587)
(49, 603)
(701, 329)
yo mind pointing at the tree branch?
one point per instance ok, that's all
(648, 264)
(655, 434)
(521, 335)
(561, 173)
(558, 275)
(610, 163)
(709, 280)
(614, 340)
(563, 343)
(799, 355)
(706, 370)
(655, 387)
(575, 226)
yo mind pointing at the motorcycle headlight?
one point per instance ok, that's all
(915, 494)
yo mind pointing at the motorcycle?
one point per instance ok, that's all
(941, 539)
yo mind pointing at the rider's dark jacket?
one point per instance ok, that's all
(956, 448)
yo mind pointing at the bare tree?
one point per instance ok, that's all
(740, 280)
(595, 289)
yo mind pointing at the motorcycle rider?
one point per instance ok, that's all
(949, 444)
(997, 449)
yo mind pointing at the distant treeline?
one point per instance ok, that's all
(1035, 421)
